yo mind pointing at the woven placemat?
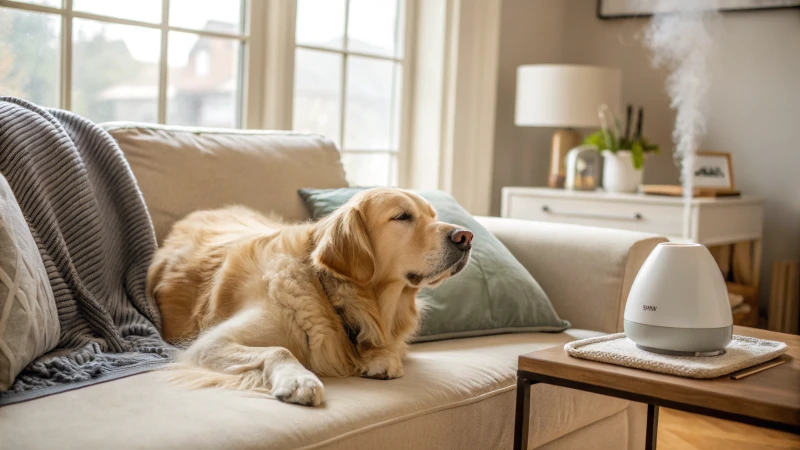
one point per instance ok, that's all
(741, 353)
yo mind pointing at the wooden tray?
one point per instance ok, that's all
(677, 191)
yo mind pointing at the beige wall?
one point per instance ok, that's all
(530, 33)
(754, 101)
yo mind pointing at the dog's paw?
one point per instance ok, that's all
(298, 387)
(381, 365)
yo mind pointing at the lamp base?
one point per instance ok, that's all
(564, 140)
(556, 181)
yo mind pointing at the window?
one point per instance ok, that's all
(348, 81)
(168, 61)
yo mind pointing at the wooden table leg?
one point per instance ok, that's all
(523, 413)
(652, 428)
(756, 277)
(756, 281)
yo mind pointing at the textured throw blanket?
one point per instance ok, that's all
(88, 218)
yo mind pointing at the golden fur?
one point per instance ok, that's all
(269, 306)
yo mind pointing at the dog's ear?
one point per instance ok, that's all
(343, 246)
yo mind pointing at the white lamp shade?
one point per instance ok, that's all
(557, 95)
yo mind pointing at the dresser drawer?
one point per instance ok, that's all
(661, 219)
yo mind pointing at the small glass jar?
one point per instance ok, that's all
(583, 168)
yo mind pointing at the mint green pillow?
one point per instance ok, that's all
(494, 294)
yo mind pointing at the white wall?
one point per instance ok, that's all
(754, 102)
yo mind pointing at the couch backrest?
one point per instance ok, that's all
(182, 169)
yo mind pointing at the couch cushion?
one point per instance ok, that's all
(458, 392)
(183, 169)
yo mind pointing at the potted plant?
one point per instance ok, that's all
(623, 154)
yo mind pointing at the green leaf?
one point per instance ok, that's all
(637, 151)
(649, 147)
(610, 139)
(597, 139)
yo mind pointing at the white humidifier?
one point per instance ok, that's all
(678, 303)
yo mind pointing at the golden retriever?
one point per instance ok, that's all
(269, 306)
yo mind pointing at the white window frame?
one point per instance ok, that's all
(278, 96)
(455, 90)
(346, 53)
(248, 49)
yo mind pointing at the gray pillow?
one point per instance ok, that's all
(493, 294)
(29, 324)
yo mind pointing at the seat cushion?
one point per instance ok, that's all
(183, 169)
(455, 394)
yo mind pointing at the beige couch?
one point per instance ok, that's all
(456, 394)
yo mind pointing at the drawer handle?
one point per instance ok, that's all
(634, 217)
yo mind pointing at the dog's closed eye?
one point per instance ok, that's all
(403, 216)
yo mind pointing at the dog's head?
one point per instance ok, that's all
(390, 234)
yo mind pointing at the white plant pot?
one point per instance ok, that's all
(619, 175)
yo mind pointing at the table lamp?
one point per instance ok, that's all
(567, 97)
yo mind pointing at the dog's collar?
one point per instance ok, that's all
(352, 332)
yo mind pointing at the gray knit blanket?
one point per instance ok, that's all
(87, 215)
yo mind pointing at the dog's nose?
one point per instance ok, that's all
(462, 238)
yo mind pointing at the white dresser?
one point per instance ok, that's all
(714, 221)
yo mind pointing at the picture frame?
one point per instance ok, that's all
(714, 170)
(627, 9)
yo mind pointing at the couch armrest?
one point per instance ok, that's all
(586, 271)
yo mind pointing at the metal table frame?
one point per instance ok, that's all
(522, 418)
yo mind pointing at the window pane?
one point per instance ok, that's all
(317, 92)
(399, 32)
(213, 15)
(369, 104)
(141, 10)
(115, 71)
(371, 26)
(320, 23)
(393, 171)
(367, 169)
(203, 80)
(51, 3)
(397, 103)
(30, 56)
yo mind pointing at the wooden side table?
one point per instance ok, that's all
(714, 222)
(769, 399)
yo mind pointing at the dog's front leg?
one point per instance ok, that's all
(384, 363)
(239, 349)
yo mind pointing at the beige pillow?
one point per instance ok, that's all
(183, 169)
(29, 324)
